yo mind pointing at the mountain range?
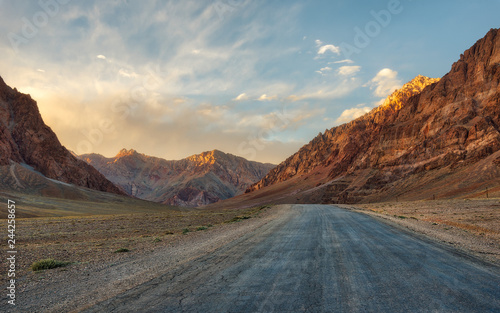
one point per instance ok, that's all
(433, 138)
(194, 181)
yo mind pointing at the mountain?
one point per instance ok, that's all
(26, 140)
(195, 181)
(430, 139)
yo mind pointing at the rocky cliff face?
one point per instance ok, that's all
(427, 132)
(25, 139)
(198, 180)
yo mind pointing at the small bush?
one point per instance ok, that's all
(121, 250)
(239, 218)
(156, 239)
(48, 264)
(185, 231)
(202, 228)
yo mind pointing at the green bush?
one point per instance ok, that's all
(202, 228)
(48, 264)
(185, 231)
(121, 250)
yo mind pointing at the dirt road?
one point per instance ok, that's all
(320, 259)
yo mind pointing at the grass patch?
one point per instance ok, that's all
(122, 250)
(156, 239)
(48, 264)
(400, 216)
(185, 231)
(201, 228)
(238, 219)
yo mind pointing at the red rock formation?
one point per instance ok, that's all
(24, 138)
(197, 180)
(436, 132)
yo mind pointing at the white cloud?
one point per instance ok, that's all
(326, 69)
(385, 82)
(348, 70)
(102, 57)
(265, 97)
(241, 97)
(318, 42)
(341, 89)
(40, 70)
(331, 48)
(124, 73)
(348, 61)
(351, 114)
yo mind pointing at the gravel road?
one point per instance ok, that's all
(320, 259)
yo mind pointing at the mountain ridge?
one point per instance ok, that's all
(26, 139)
(197, 180)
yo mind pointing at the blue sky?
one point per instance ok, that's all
(253, 78)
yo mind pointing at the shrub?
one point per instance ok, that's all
(48, 264)
(121, 250)
(185, 231)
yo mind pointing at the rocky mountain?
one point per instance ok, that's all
(26, 140)
(430, 139)
(195, 181)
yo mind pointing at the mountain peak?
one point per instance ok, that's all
(207, 157)
(411, 88)
(125, 152)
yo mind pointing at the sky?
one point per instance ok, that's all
(258, 79)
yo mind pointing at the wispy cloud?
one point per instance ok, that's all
(348, 61)
(241, 97)
(265, 97)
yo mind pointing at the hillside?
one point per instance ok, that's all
(195, 181)
(430, 139)
(25, 139)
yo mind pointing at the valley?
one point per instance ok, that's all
(228, 201)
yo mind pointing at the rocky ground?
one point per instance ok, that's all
(94, 239)
(156, 242)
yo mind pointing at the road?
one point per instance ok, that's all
(321, 259)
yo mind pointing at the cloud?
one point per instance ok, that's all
(318, 42)
(124, 73)
(326, 69)
(385, 82)
(351, 114)
(326, 92)
(348, 70)
(348, 61)
(102, 57)
(331, 48)
(265, 97)
(241, 97)
(40, 70)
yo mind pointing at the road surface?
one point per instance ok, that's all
(321, 259)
